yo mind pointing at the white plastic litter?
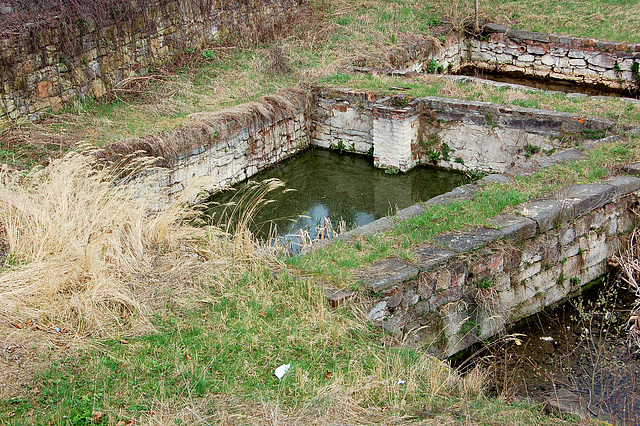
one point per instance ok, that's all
(547, 338)
(282, 370)
(401, 382)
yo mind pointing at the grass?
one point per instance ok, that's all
(602, 19)
(188, 324)
(317, 47)
(337, 262)
(216, 362)
(178, 338)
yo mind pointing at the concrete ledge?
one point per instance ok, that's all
(386, 273)
(428, 257)
(462, 241)
(514, 227)
(624, 185)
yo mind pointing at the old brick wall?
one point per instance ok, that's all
(219, 149)
(42, 67)
(466, 286)
(604, 65)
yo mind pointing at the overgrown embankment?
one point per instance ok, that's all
(224, 313)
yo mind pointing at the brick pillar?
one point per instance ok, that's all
(395, 131)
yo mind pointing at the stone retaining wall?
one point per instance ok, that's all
(553, 56)
(43, 67)
(401, 132)
(221, 149)
(547, 57)
(466, 286)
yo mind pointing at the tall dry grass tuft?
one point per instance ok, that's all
(628, 262)
(74, 239)
(206, 129)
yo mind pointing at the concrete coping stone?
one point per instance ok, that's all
(409, 212)
(624, 185)
(386, 273)
(572, 202)
(495, 28)
(370, 228)
(463, 241)
(495, 178)
(428, 257)
(527, 35)
(633, 169)
(570, 154)
(514, 227)
(460, 193)
(588, 197)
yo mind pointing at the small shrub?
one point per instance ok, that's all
(529, 150)
(432, 66)
(400, 102)
(475, 175)
(434, 156)
(446, 150)
(208, 54)
(485, 283)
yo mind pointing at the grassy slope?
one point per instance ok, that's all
(339, 33)
(214, 359)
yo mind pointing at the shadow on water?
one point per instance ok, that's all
(576, 353)
(341, 187)
(546, 83)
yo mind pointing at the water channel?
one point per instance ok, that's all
(576, 353)
(339, 186)
(545, 83)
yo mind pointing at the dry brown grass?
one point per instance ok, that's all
(81, 251)
(205, 129)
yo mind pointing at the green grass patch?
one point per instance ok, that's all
(229, 348)
(337, 262)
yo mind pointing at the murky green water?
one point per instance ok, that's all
(340, 187)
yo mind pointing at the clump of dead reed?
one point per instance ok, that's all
(628, 260)
(74, 239)
(205, 129)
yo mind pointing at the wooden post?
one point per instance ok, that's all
(476, 23)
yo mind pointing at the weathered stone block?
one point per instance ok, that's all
(527, 35)
(491, 263)
(548, 60)
(462, 241)
(458, 274)
(633, 169)
(585, 198)
(536, 49)
(581, 63)
(512, 259)
(428, 257)
(386, 273)
(513, 227)
(546, 213)
(603, 60)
